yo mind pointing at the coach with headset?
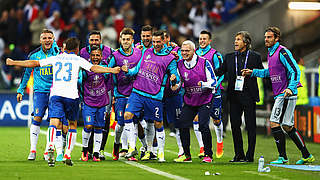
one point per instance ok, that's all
(243, 93)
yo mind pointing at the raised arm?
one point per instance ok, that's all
(23, 63)
(100, 69)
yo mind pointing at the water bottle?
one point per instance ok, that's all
(261, 164)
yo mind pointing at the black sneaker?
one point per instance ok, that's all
(153, 156)
(96, 157)
(142, 151)
(237, 159)
(101, 155)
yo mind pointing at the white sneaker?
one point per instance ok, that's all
(172, 134)
(45, 156)
(161, 157)
(32, 155)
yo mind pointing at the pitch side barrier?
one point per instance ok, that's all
(306, 118)
(13, 113)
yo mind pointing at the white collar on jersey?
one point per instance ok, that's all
(191, 63)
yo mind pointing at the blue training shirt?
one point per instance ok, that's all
(42, 75)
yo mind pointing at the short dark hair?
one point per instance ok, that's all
(166, 33)
(246, 38)
(206, 32)
(158, 33)
(127, 31)
(146, 28)
(95, 47)
(46, 31)
(276, 32)
(95, 33)
(72, 44)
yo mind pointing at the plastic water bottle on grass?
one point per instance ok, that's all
(261, 164)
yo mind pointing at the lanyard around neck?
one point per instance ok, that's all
(245, 63)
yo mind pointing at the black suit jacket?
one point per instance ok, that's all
(250, 87)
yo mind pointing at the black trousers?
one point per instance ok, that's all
(238, 105)
(188, 113)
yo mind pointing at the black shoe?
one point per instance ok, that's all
(153, 156)
(249, 159)
(237, 159)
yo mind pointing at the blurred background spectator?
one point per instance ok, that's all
(21, 21)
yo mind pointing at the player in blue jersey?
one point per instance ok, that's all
(42, 83)
(95, 98)
(95, 40)
(148, 88)
(128, 56)
(172, 101)
(215, 58)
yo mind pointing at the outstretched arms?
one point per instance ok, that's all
(22, 63)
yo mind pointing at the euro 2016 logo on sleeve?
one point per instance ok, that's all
(148, 56)
(186, 76)
(37, 110)
(88, 119)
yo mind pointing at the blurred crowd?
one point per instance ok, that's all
(21, 22)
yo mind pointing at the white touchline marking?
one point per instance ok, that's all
(172, 152)
(152, 170)
(138, 165)
(266, 175)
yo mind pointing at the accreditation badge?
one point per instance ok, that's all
(239, 83)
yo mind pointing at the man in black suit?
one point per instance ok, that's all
(243, 93)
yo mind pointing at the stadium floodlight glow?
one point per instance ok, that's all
(304, 5)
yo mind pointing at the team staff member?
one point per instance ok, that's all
(95, 40)
(285, 75)
(243, 93)
(42, 84)
(199, 80)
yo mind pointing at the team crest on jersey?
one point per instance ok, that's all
(125, 62)
(88, 118)
(186, 76)
(96, 78)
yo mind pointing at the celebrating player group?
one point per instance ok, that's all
(143, 80)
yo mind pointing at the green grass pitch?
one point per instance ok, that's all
(14, 149)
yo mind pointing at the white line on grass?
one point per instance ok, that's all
(266, 175)
(138, 165)
(172, 152)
